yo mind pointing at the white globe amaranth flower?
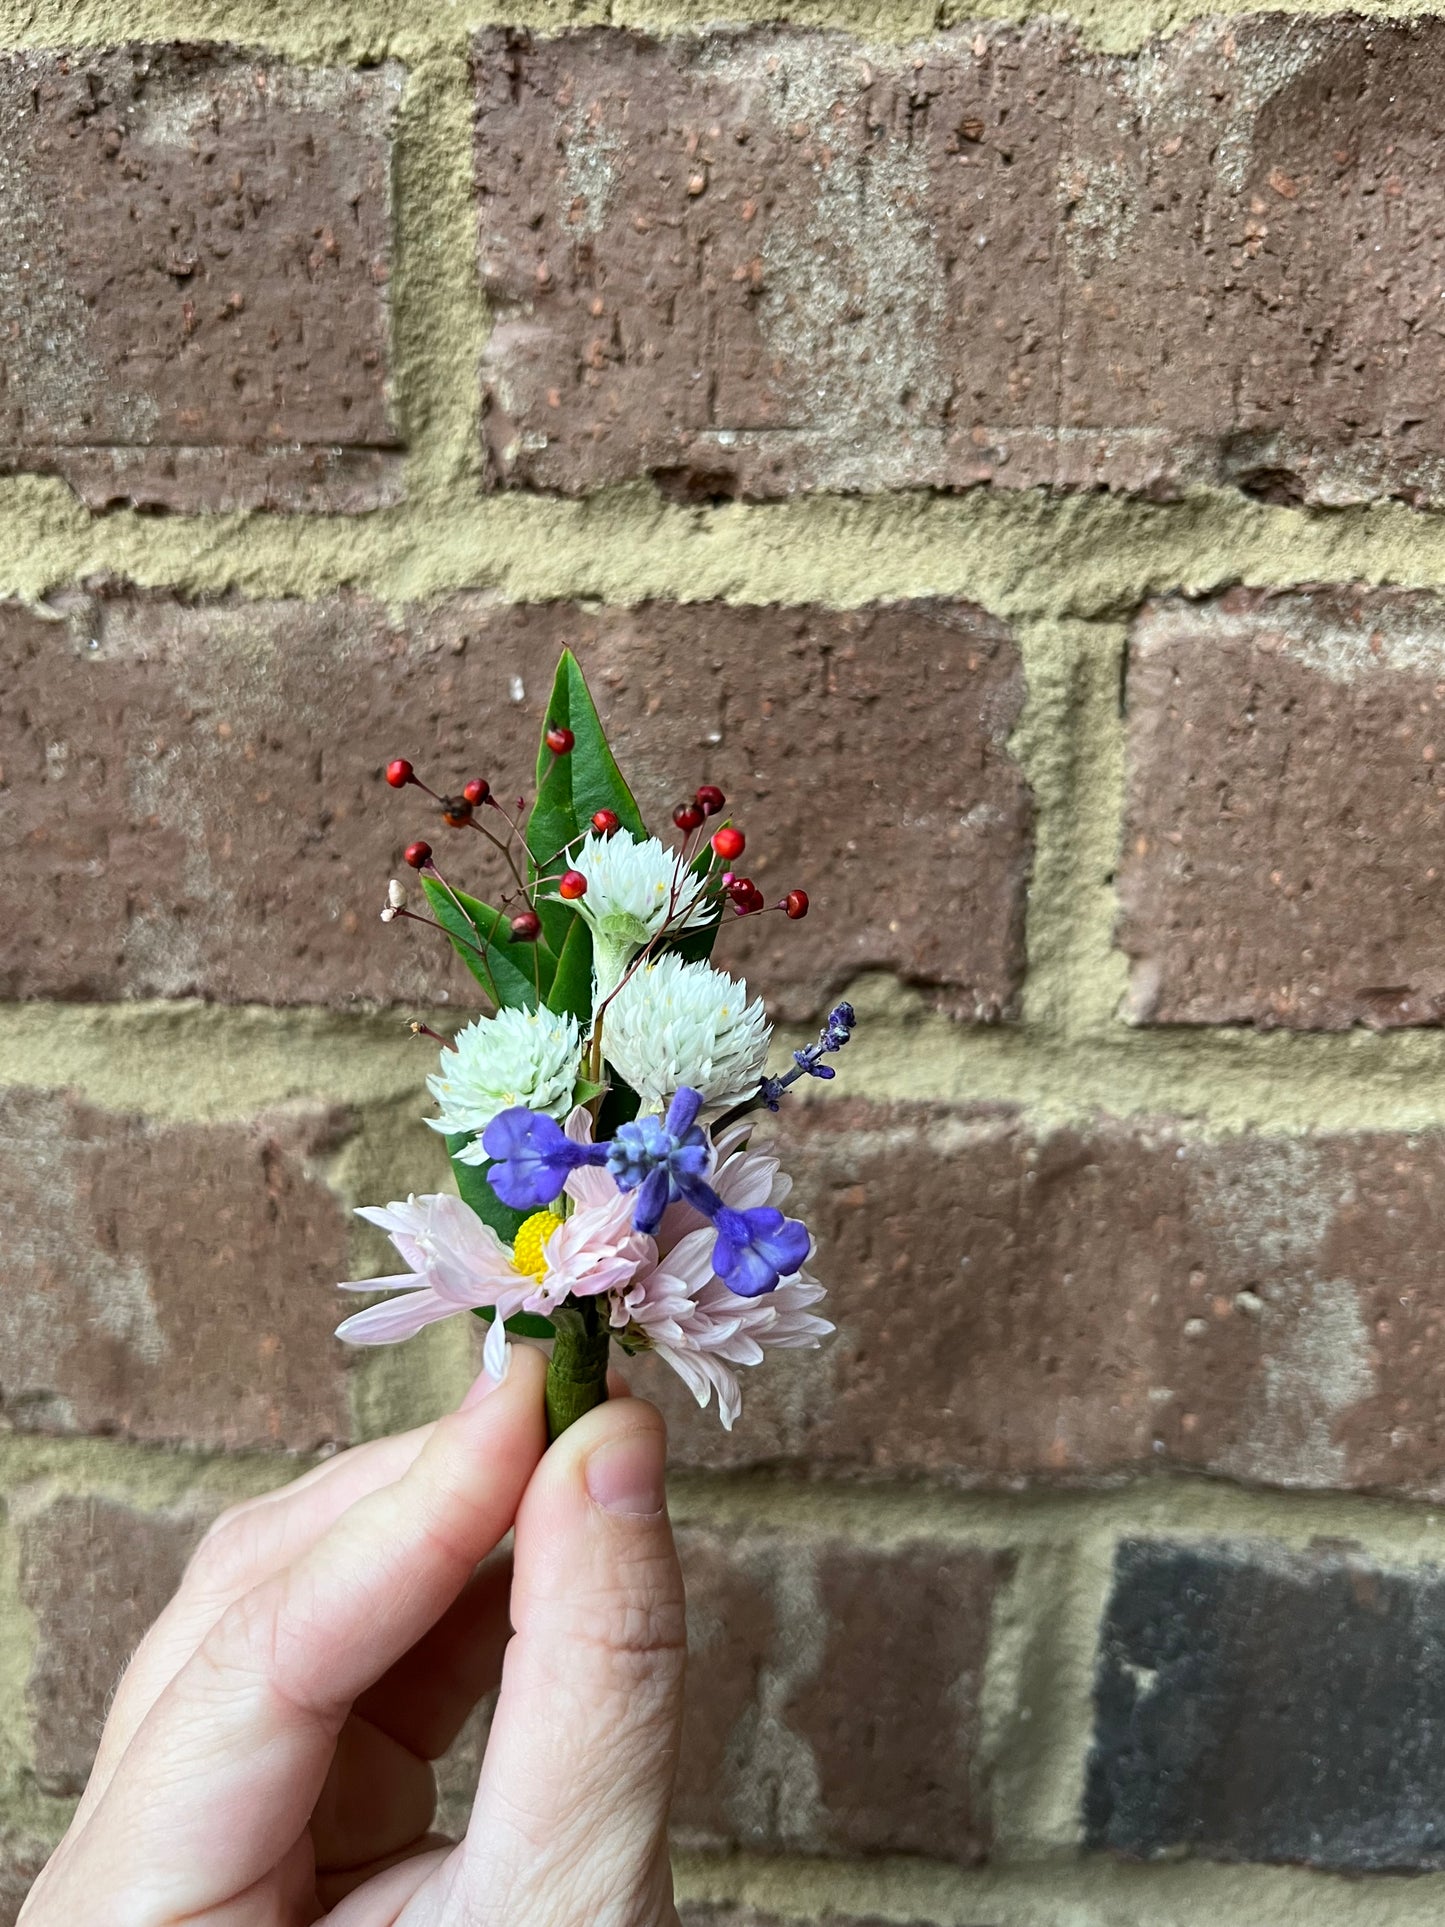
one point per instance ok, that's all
(674, 1024)
(527, 1057)
(630, 885)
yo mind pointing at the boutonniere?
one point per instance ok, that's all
(600, 1117)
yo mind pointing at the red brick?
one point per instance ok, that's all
(788, 1640)
(196, 805)
(171, 1281)
(1282, 847)
(196, 247)
(1078, 1303)
(778, 259)
(94, 1573)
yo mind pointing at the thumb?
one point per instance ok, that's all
(571, 1816)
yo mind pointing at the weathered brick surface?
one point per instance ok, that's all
(788, 1641)
(1256, 1705)
(21, 1858)
(1282, 846)
(170, 1281)
(779, 259)
(94, 1573)
(1016, 1306)
(194, 255)
(708, 1914)
(193, 799)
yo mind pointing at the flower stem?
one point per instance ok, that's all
(577, 1373)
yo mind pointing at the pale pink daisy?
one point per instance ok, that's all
(458, 1263)
(687, 1314)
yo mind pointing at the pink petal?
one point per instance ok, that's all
(397, 1318)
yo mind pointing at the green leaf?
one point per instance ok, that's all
(571, 987)
(572, 788)
(694, 946)
(474, 1190)
(510, 973)
(522, 1324)
(585, 1090)
(618, 1107)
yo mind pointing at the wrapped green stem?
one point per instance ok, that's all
(577, 1373)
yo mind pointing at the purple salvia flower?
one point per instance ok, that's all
(654, 1155)
(660, 1160)
(758, 1248)
(832, 1037)
(754, 1249)
(531, 1157)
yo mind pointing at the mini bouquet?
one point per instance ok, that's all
(599, 1119)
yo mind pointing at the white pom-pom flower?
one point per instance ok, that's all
(674, 1024)
(526, 1057)
(634, 887)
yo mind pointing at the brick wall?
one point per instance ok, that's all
(1008, 455)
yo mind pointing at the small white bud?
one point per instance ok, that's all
(395, 896)
(388, 914)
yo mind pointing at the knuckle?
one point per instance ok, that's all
(640, 1618)
(224, 1551)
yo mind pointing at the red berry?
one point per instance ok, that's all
(606, 821)
(559, 741)
(526, 926)
(746, 896)
(400, 773)
(477, 791)
(573, 884)
(687, 817)
(456, 811)
(729, 843)
(709, 799)
(418, 855)
(796, 904)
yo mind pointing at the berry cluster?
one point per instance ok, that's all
(460, 812)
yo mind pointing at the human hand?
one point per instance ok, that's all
(266, 1759)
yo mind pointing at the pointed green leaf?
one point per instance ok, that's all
(571, 987)
(474, 1190)
(572, 788)
(522, 1324)
(515, 975)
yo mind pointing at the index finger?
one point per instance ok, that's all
(248, 1726)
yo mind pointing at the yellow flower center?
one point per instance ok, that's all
(529, 1246)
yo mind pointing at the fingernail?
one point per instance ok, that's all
(481, 1388)
(626, 1474)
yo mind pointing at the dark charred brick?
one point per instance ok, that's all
(1077, 1303)
(1259, 1705)
(197, 805)
(171, 1281)
(194, 254)
(777, 259)
(94, 1574)
(789, 1641)
(1286, 807)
